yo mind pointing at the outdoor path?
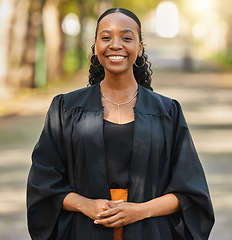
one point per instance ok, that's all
(207, 103)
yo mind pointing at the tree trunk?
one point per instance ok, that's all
(6, 19)
(53, 38)
(27, 68)
(18, 42)
(80, 43)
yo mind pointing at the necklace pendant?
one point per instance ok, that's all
(119, 114)
(118, 104)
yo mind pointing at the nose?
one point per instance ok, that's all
(116, 44)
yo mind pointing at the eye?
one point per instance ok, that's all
(127, 38)
(106, 38)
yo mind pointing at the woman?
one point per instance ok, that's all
(116, 154)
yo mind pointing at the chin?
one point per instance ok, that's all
(119, 69)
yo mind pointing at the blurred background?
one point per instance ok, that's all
(44, 50)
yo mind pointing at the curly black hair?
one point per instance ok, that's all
(142, 74)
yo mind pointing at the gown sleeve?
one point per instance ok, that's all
(188, 183)
(47, 181)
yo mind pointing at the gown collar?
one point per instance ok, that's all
(148, 102)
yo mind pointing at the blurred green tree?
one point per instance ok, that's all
(84, 9)
(23, 42)
(139, 7)
(33, 26)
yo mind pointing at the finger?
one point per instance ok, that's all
(109, 222)
(116, 224)
(113, 204)
(116, 201)
(108, 213)
(106, 208)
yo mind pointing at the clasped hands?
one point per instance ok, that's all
(118, 213)
(113, 213)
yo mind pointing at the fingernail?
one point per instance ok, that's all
(95, 222)
(98, 215)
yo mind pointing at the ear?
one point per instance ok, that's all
(140, 52)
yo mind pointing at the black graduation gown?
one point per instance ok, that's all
(70, 157)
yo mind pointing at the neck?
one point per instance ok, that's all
(119, 82)
(119, 88)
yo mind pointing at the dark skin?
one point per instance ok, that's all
(117, 46)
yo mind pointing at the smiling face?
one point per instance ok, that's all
(117, 43)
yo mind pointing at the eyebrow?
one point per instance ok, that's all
(123, 31)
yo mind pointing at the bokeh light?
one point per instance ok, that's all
(71, 25)
(4, 9)
(198, 30)
(200, 5)
(167, 20)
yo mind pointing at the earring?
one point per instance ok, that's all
(94, 58)
(144, 61)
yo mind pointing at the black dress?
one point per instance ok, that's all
(118, 140)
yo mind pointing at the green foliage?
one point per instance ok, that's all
(138, 7)
(224, 59)
(70, 61)
(73, 6)
(91, 8)
(70, 6)
(40, 65)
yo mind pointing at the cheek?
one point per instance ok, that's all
(99, 49)
(133, 52)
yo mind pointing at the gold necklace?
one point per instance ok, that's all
(118, 104)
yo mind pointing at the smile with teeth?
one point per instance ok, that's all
(116, 57)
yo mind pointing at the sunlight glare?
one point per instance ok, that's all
(4, 9)
(167, 20)
(211, 17)
(200, 5)
(71, 25)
